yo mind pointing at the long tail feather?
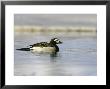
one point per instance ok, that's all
(24, 49)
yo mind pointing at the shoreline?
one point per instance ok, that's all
(53, 29)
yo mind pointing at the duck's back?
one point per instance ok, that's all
(41, 44)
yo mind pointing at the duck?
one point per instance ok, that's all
(50, 46)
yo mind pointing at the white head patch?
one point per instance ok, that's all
(56, 40)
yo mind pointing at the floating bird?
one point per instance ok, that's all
(44, 46)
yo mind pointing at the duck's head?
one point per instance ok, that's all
(55, 41)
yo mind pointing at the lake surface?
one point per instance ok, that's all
(77, 55)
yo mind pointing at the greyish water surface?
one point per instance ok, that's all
(77, 55)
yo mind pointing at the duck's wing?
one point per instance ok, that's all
(36, 44)
(41, 44)
(44, 44)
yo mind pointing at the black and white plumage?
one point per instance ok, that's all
(44, 46)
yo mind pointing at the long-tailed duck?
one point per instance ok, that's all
(44, 46)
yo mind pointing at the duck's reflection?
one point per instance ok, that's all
(53, 55)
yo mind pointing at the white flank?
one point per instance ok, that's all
(43, 49)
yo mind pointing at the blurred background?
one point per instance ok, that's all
(55, 22)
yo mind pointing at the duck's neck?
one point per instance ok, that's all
(54, 44)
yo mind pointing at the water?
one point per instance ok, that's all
(77, 55)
